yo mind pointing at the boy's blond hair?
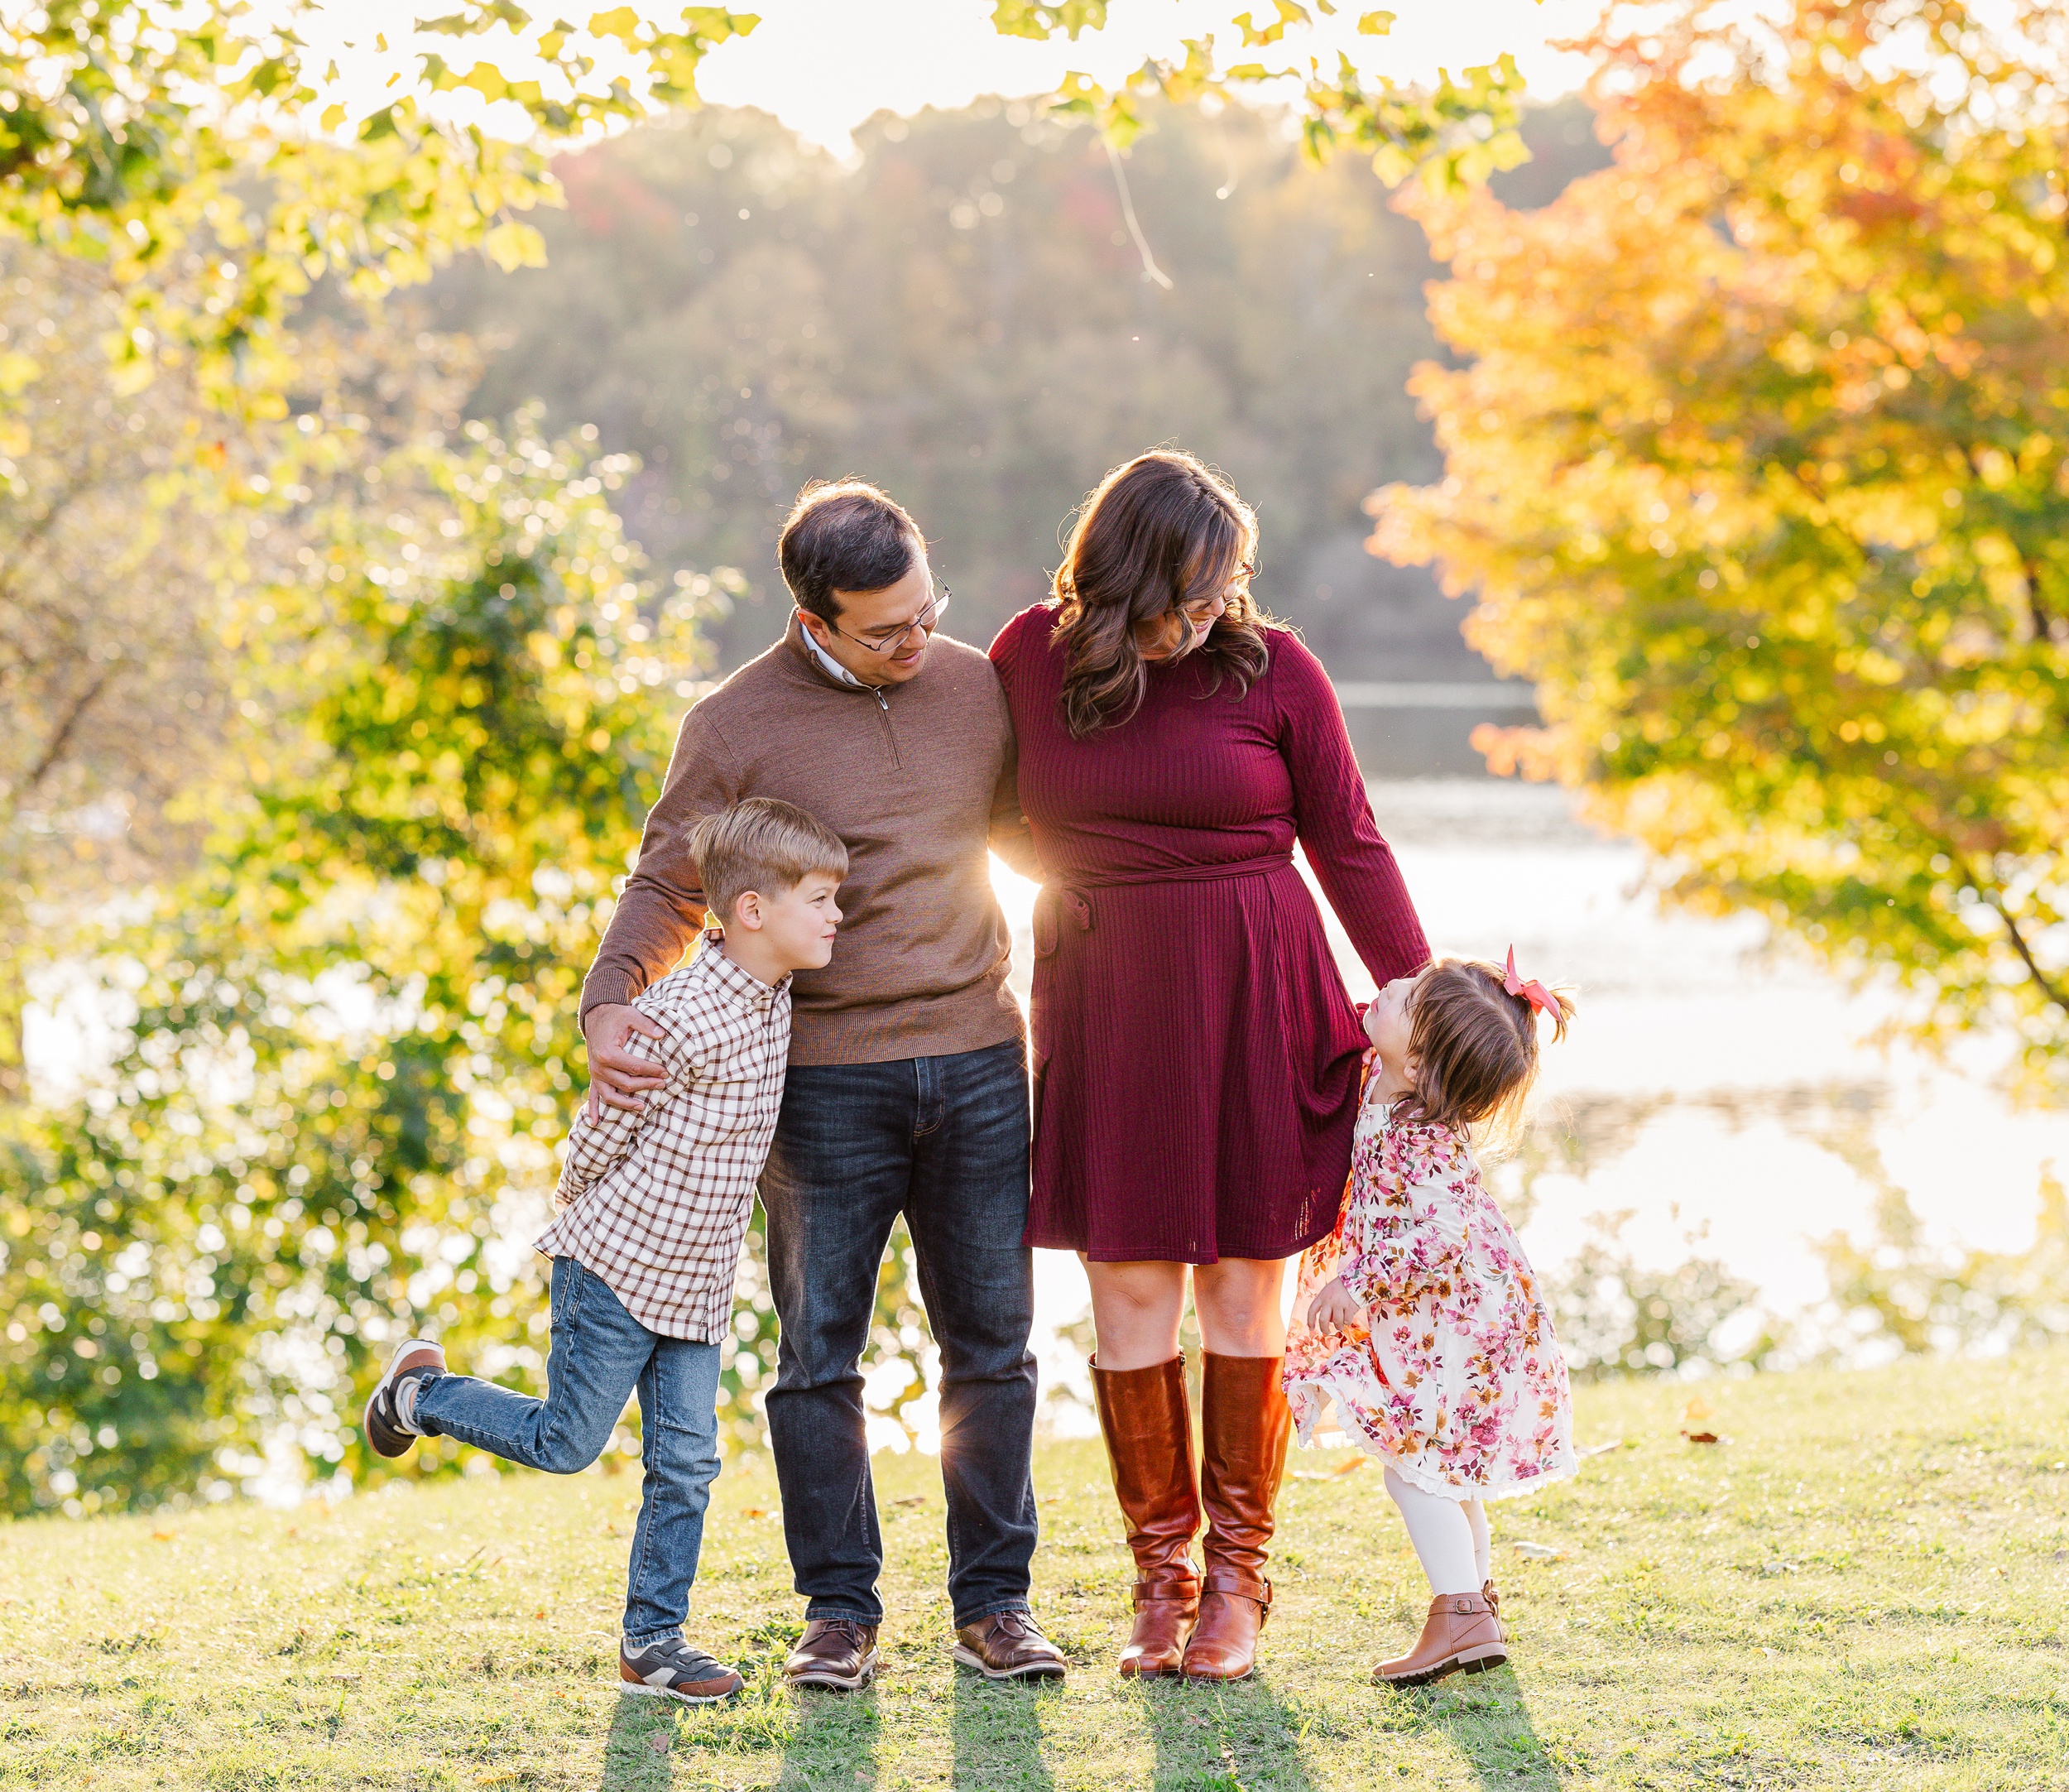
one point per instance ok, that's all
(762, 845)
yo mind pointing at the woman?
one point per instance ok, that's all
(1195, 1054)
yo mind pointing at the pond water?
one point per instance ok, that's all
(1723, 1095)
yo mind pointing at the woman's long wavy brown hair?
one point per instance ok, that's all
(1163, 530)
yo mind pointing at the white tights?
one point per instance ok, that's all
(1450, 1536)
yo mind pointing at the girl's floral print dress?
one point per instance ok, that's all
(1459, 1384)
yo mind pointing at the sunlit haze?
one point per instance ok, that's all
(823, 66)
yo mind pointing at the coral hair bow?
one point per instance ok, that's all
(1535, 993)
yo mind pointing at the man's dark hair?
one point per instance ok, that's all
(844, 535)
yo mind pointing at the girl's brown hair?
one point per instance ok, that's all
(1163, 530)
(1473, 1049)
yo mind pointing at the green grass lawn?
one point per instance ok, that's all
(1859, 1585)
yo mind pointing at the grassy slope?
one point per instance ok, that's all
(1856, 1588)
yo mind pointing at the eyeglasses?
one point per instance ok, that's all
(1206, 609)
(927, 620)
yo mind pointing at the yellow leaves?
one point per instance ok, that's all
(621, 23)
(1255, 36)
(1376, 24)
(485, 79)
(1037, 20)
(17, 371)
(511, 245)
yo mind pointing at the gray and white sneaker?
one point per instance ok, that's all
(391, 1418)
(670, 1669)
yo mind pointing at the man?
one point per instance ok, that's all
(908, 1083)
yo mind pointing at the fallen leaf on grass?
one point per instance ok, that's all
(1539, 1552)
(539, 1613)
(1772, 1654)
(753, 1511)
(1700, 1437)
(915, 1499)
(345, 1680)
(162, 1536)
(1695, 1411)
(1601, 1449)
(660, 1741)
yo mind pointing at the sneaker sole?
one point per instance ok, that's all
(969, 1658)
(835, 1683)
(641, 1689)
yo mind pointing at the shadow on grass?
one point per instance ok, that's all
(636, 1749)
(826, 1738)
(1241, 1737)
(1487, 1719)
(997, 1728)
(833, 1742)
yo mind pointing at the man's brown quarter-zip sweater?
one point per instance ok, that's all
(916, 778)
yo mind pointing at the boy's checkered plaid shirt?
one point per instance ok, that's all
(656, 1202)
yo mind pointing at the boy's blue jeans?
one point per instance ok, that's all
(600, 1355)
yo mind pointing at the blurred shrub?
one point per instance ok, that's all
(1904, 1290)
(346, 1064)
(1617, 1317)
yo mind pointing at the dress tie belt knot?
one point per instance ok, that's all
(1073, 900)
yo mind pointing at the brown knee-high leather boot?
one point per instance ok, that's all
(1245, 1425)
(1149, 1434)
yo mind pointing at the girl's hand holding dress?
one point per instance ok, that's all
(1332, 1307)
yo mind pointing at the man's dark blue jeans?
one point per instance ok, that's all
(943, 1140)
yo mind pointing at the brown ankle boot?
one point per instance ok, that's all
(1149, 1434)
(1246, 1426)
(1460, 1632)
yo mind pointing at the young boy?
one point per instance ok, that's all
(652, 1206)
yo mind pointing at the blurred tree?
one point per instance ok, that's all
(1760, 469)
(154, 134)
(335, 1114)
(133, 521)
(112, 687)
(146, 132)
(961, 317)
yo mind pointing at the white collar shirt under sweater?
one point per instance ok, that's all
(656, 1202)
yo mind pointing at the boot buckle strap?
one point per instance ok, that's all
(1176, 1589)
(1239, 1582)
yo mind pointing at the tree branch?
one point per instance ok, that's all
(2054, 993)
(63, 738)
(2043, 621)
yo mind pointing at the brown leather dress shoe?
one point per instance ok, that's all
(1245, 1427)
(1009, 1645)
(1149, 1434)
(1461, 1633)
(835, 1652)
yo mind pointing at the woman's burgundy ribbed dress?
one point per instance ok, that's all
(1196, 1053)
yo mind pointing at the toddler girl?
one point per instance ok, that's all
(1419, 1316)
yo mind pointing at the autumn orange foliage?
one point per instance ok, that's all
(1758, 462)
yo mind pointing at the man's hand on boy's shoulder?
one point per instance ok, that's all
(618, 1077)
